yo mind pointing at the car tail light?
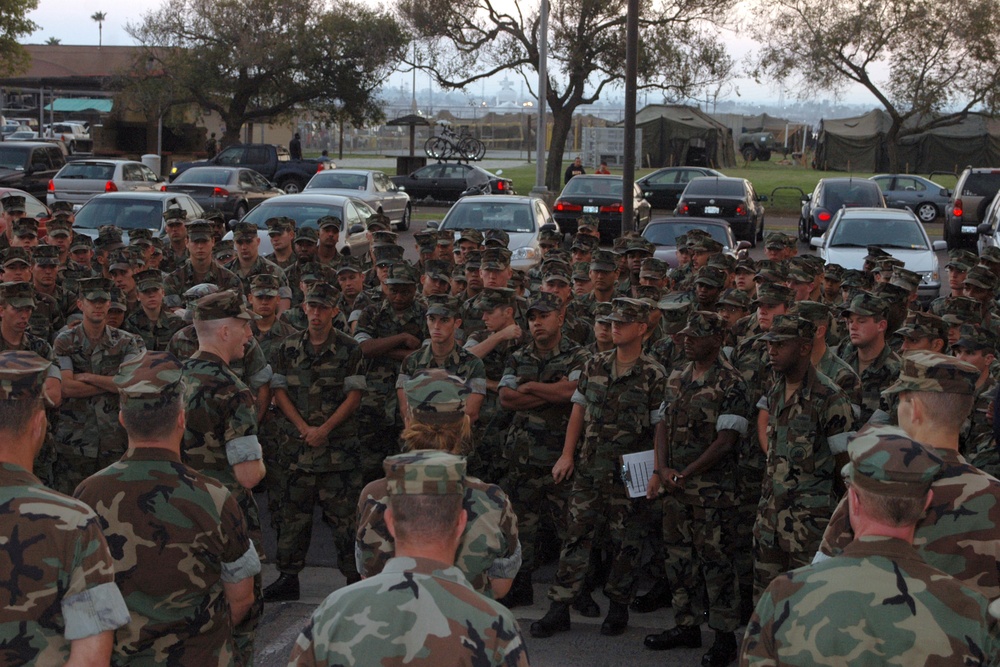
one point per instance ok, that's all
(613, 208)
(824, 216)
(566, 206)
(683, 209)
(319, 167)
(163, 188)
(501, 186)
(957, 211)
(220, 192)
(52, 185)
(110, 187)
(741, 209)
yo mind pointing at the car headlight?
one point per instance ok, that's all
(525, 253)
(929, 277)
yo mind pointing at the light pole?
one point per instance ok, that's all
(543, 77)
(631, 85)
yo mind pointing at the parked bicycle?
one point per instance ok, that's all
(450, 144)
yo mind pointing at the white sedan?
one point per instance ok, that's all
(898, 232)
(372, 187)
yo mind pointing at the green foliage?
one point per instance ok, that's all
(15, 24)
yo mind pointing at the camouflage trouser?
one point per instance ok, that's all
(276, 465)
(70, 468)
(650, 518)
(598, 499)
(699, 552)
(537, 500)
(486, 459)
(748, 496)
(784, 540)
(377, 442)
(246, 631)
(337, 495)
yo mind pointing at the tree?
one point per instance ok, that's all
(100, 18)
(53, 41)
(14, 24)
(468, 40)
(941, 59)
(258, 60)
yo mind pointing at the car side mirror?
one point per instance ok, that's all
(499, 172)
(743, 245)
(816, 242)
(807, 197)
(939, 245)
(761, 197)
(984, 228)
(357, 229)
(231, 224)
(548, 227)
(945, 192)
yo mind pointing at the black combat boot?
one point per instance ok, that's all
(655, 598)
(521, 594)
(556, 619)
(616, 622)
(284, 589)
(585, 604)
(677, 637)
(723, 651)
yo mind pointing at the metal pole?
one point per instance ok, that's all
(543, 78)
(631, 85)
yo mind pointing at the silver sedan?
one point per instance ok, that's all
(372, 187)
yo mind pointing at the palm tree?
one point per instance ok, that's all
(100, 17)
(53, 41)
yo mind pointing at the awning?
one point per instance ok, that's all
(78, 104)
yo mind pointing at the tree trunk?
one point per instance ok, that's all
(232, 134)
(892, 145)
(562, 123)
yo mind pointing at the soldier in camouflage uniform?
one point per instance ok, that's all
(977, 346)
(59, 594)
(823, 358)
(268, 330)
(317, 385)
(175, 532)
(221, 436)
(489, 553)
(868, 354)
(248, 262)
(88, 436)
(47, 318)
(281, 231)
(960, 533)
(706, 413)
(809, 419)
(151, 321)
(45, 278)
(878, 602)
(419, 610)
(176, 253)
(616, 407)
(198, 268)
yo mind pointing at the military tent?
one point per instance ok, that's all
(675, 135)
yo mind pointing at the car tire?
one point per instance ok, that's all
(983, 205)
(240, 211)
(764, 156)
(749, 153)
(926, 212)
(291, 186)
(803, 234)
(949, 238)
(404, 222)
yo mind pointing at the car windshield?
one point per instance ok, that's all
(666, 234)
(201, 176)
(594, 186)
(851, 195)
(882, 232)
(304, 215)
(714, 186)
(340, 181)
(511, 217)
(122, 212)
(88, 171)
(13, 158)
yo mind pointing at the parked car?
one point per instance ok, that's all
(373, 187)
(449, 181)
(664, 186)
(521, 217)
(306, 208)
(30, 165)
(663, 233)
(897, 232)
(989, 228)
(131, 210)
(75, 136)
(732, 199)
(272, 162)
(973, 193)
(233, 190)
(78, 181)
(22, 135)
(923, 196)
(592, 194)
(831, 195)
(32, 207)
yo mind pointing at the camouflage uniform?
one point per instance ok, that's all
(259, 266)
(877, 376)
(155, 335)
(253, 369)
(184, 278)
(698, 521)
(317, 380)
(88, 436)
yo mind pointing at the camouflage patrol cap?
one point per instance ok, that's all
(518, 278)
(312, 272)
(148, 279)
(628, 310)
(140, 237)
(376, 223)
(875, 253)
(972, 337)
(735, 297)
(556, 271)
(834, 272)
(991, 255)
(558, 255)
(960, 259)
(855, 278)
(711, 276)
(581, 271)
(18, 294)
(745, 265)
(350, 263)
(933, 372)
(95, 289)
(980, 276)
(305, 235)
(790, 327)
(437, 269)
(222, 305)
(45, 255)
(224, 250)
(798, 274)
(495, 259)
(639, 244)
(16, 255)
(446, 237)
(385, 237)
(200, 230)
(22, 375)
(117, 301)
(588, 224)
(81, 241)
(425, 473)
(61, 206)
(214, 215)
(244, 230)
(770, 272)
(722, 261)
(906, 279)
(458, 274)
(278, 225)
(387, 254)
(496, 237)
(473, 259)
(923, 325)
(109, 238)
(120, 259)
(192, 294)
(960, 309)
(652, 267)
(322, 293)
(492, 298)
(265, 284)
(149, 379)
(427, 246)
(330, 221)
(545, 302)
(425, 235)
(550, 237)
(698, 233)
(174, 213)
(435, 396)
(887, 264)
(601, 312)
(476, 236)
(778, 241)
(13, 204)
(703, 244)
(582, 242)
(867, 305)
(59, 227)
(651, 294)
(886, 462)
(702, 323)
(603, 260)
(681, 242)
(619, 244)
(814, 311)
(401, 273)
(443, 305)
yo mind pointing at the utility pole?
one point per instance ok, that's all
(543, 79)
(631, 86)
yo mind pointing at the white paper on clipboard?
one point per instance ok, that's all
(637, 469)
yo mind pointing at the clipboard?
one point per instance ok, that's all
(637, 469)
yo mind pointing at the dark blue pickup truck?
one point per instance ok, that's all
(272, 162)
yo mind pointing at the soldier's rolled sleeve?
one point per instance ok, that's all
(402, 379)
(354, 316)
(762, 403)
(880, 416)
(507, 567)
(578, 398)
(732, 423)
(574, 375)
(655, 416)
(477, 385)
(838, 442)
(355, 383)
(94, 611)
(261, 377)
(509, 381)
(279, 381)
(65, 363)
(361, 336)
(245, 566)
(243, 449)
(54, 372)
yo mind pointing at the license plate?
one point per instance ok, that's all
(711, 209)
(968, 229)
(590, 209)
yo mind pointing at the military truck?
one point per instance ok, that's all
(757, 145)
